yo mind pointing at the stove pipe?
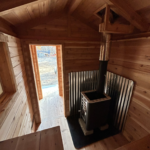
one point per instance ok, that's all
(103, 61)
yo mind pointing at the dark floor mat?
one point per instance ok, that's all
(78, 137)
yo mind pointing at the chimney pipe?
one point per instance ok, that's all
(103, 61)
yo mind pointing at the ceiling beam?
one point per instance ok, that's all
(6, 27)
(21, 6)
(9, 4)
(72, 5)
(129, 14)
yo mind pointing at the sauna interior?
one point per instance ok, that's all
(86, 34)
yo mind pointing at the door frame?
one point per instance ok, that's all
(35, 66)
(33, 52)
(30, 74)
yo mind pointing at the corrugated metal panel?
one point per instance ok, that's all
(80, 81)
(117, 87)
(120, 90)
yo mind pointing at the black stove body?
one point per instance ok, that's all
(94, 112)
(95, 105)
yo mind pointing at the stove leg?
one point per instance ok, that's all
(102, 128)
(83, 127)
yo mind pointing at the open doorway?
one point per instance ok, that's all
(47, 61)
(47, 65)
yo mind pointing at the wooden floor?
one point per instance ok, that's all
(51, 108)
(141, 144)
(52, 115)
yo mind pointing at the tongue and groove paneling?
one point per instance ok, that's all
(16, 116)
(81, 45)
(131, 59)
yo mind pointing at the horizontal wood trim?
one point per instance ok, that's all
(6, 27)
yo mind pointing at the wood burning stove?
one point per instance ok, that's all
(94, 111)
(95, 105)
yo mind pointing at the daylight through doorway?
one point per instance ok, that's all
(47, 62)
(51, 105)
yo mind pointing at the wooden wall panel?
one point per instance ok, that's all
(80, 47)
(18, 109)
(31, 82)
(78, 55)
(131, 59)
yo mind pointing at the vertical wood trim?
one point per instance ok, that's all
(59, 69)
(36, 71)
(107, 13)
(63, 79)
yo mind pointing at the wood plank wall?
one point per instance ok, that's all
(77, 56)
(131, 59)
(80, 43)
(16, 117)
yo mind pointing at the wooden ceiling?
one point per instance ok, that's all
(29, 13)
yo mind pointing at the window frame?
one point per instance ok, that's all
(7, 76)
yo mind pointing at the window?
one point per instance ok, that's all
(7, 78)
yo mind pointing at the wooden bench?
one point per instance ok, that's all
(49, 139)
